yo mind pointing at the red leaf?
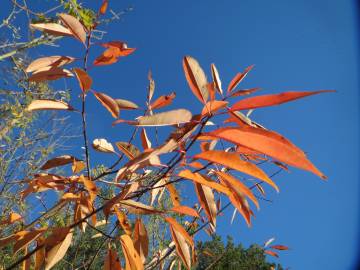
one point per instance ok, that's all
(279, 247)
(238, 78)
(271, 100)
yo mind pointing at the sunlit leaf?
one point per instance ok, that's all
(271, 100)
(130, 150)
(58, 251)
(165, 118)
(123, 220)
(84, 79)
(58, 161)
(112, 261)
(238, 78)
(232, 160)
(103, 7)
(126, 104)
(207, 202)
(141, 240)
(49, 73)
(163, 101)
(76, 28)
(216, 78)
(196, 78)
(103, 145)
(48, 104)
(49, 61)
(52, 29)
(185, 210)
(108, 102)
(132, 258)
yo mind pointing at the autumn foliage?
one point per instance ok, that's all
(219, 149)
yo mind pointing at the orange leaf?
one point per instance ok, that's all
(123, 220)
(141, 240)
(272, 253)
(129, 150)
(203, 180)
(185, 210)
(244, 92)
(126, 104)
(103, 7)
(76, 27)
(268, 143)
(58, 161)
(112, 261)
(271, 100)
(238, 185)
(108, 102)
(84, 79)
(212, 106)
(196, 78)
(175, 199)
(238, 78)
(49, 73)
(132, 257)
(279, 247)
(207, 202)
(145, 142)
(115, 49)
(232, 160)
(58, 251)
(163, 101)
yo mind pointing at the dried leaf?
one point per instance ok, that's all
(141, 240)
(207, 202)
(52, 29)
(196, 78)
(185, 210)
(132, 258)
(78, 166)
(109, 103)
(238, 78)
(123, 220)
(124, 104)
(58, 161)
(49, 74)
(102, 145)
(55, 253)
(84, 79)
(174, 117)
(131, 151)
(49, 61)
(232, 160)
(112, 261)
(216, 78)
(104, 6)
(163, 101)
(48, 104)
(76, 28)
(271, 100)
(268, 143)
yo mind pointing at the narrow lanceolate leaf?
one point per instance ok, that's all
(213, 106)
(141, 240)
(272, 253)
(182, 241)
(50, 61)
(84, 79)
(103, 7)
(238, 185)
(185, 210)
(128, 149)
(151, 87)
(52, 28)
(48, 104)
(268, 143)
(163, 101)
(112, 261)
(174, 195)
(109, 103)
(238, 78)
(76, 28)
(166, 118)
(271, 100)
(103, 145)
(138, 207)
(90, 187)
(49, 74)
(57, 161)
(132, 257)
(216, 78)
(233, 161)
(196, 78)
(201, 179)
(58, 251)
(145, 142)
(279, 247)
(26, 239)
(124, 104)
(123, 220)
(207, 202)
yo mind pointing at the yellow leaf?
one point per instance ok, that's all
(132, 258)
(48, 104)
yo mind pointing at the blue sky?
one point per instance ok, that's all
(295, 45)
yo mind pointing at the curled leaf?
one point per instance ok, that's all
(108, 102)
(102, 145)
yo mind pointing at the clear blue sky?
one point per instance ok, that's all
(295, 45)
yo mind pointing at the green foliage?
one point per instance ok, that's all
(231, 257)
